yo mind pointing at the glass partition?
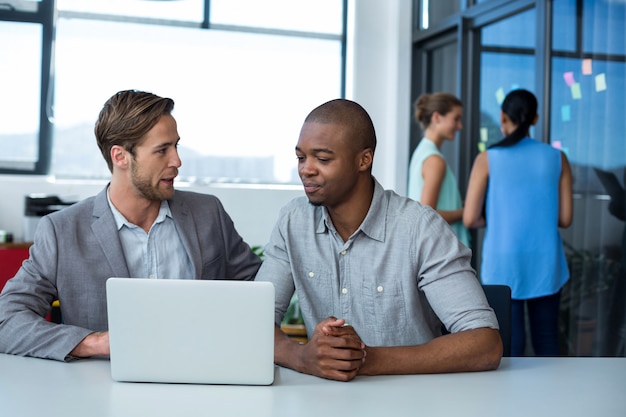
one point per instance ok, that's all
(588, 108)
(507, 62)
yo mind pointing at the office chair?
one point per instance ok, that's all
(499, 298)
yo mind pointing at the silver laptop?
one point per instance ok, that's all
(191, 331)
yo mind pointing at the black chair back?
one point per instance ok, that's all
(499, 298)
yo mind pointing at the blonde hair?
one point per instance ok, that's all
(427, 104)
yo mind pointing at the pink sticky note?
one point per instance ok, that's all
(587, 67)
(557, 144)
(569, 78)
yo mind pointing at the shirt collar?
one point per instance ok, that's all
(375, 221)
(120, 220)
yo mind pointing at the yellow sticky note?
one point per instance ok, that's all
(587, 67)
(484, 134)
(600, 82)
(576, 93)
(482, 146)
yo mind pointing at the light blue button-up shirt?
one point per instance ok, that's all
(160, 253)
(394, 279)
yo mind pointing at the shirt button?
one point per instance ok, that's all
(343, 252)
(379, 288)
(311, 274)
(344, 290)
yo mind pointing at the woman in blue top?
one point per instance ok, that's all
(526, 187)
(431, 181)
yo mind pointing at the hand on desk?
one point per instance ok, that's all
(95, 344)
(334, 351)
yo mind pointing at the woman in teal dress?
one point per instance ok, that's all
(431, 181)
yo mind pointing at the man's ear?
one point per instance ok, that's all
(119, 157)
(367, 158)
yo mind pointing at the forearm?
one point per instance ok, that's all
(287, 352)
(472, 350)
(95, 344)
(451, 216)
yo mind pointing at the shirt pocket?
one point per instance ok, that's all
(316, 289)
(384, 306)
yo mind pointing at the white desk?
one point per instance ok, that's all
(561, 387)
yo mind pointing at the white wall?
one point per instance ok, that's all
(378, 78)
(380, 64)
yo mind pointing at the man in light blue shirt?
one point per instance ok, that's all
(376, 274)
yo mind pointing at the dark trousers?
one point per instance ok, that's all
(543, 317)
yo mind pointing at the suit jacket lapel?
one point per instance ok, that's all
(187, 231)
(105, 231)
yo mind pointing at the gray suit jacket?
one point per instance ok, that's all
(77, 249)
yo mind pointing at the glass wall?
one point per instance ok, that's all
(588, 107)
(572, 55)
(507, 62)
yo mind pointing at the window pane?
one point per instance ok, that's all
(515, 32)
(603, 27)
(324, 16)
(565, 27)
(188, 10)
(443, 70)
(501, 73)
(240, 97)
(588, 111)
(20, 85)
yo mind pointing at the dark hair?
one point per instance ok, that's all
(348, 113)
(427, 104)
(521, 107)
(125, 119)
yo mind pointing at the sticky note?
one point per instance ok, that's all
(500, 95)
(557, 144)
(484, 134)
(576, 93)
(566, 114)
(600, 82)
(587, 67)
(482, 146)
(569, 78)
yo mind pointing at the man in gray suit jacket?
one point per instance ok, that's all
(138, 226)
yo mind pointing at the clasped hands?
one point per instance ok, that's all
(335, 351)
